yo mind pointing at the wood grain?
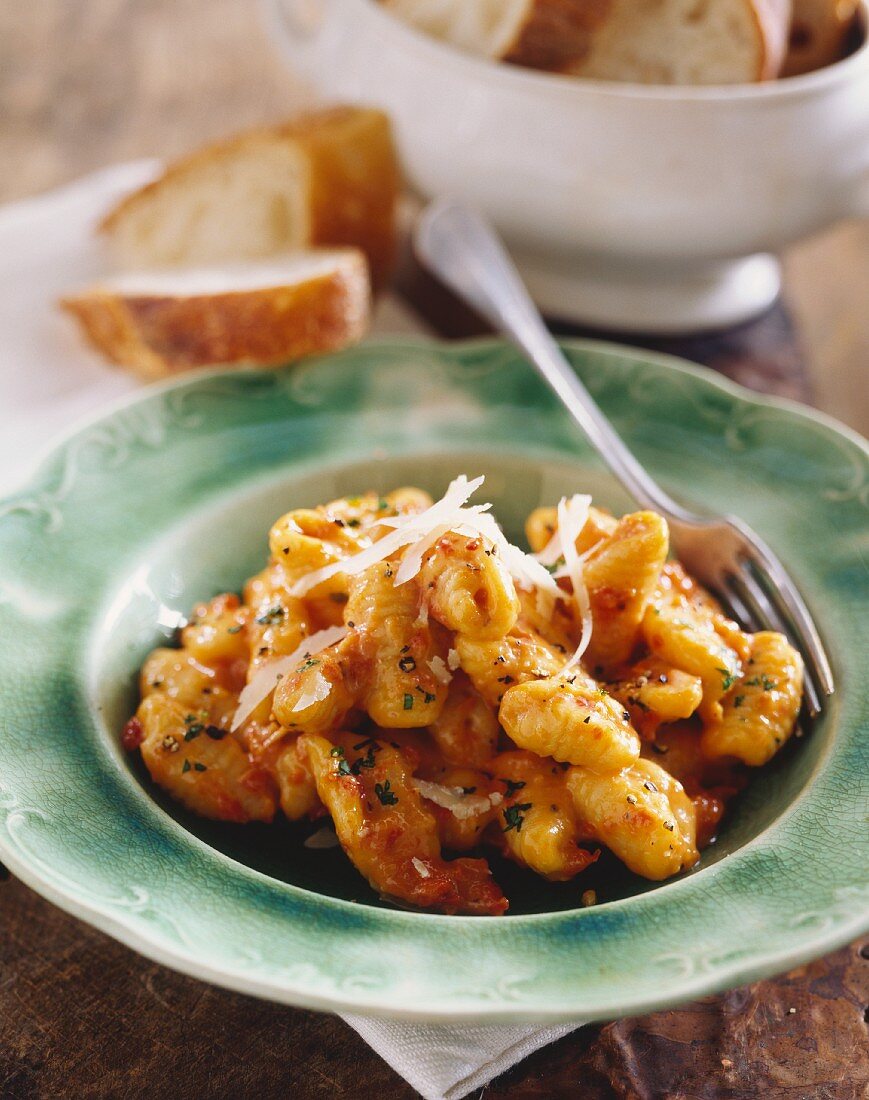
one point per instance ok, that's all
(82, 1016)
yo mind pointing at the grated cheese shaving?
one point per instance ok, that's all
(266, 679)
(407, 530)
(421, 868)
(439, 670)
(453, 662)
(411, 563)
(421, 531)
(325, 837)
(314, 694)
(454, 799)
(572, 516)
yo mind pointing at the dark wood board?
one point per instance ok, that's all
(83, 1017)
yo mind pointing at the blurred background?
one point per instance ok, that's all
(88, 83)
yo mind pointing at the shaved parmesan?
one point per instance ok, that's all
(421, 868)
(454, 799)
(439, 669)
(318, 691)
(522, 567)
(419, 532)
(407, 530)
(577, 513)
(324, 837)
(453, 660)
(266, 678)
(411, 563)
(572, 516)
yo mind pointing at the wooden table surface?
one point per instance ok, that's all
(94, 82)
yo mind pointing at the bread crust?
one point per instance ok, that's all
(352, 180)
(157, 335)
(355, 183)
(819, 34)
(556, 33)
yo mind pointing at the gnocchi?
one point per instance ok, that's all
(400, 668)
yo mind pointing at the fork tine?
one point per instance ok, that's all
(755, 597)
(736, 605)
(773, 576)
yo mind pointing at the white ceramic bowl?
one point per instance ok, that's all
(627, 206)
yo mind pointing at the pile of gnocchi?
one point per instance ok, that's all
(402, 669)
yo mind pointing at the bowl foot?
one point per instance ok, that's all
(652, 298)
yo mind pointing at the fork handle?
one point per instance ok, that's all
(459, 246)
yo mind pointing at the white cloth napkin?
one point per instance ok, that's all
(48, 381)
(445, 1062)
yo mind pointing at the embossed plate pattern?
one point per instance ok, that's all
(167, 498)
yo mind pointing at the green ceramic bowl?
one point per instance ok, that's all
(167, 500)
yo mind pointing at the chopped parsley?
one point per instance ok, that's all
(739, 700)
(200, 768)
(343, 768)
(216, 733)
(354, 522)
(727, 679)
(427, 696)
(762, 681)
(366, 761)
(233, 629)
(273, 615)
(194, 727)
(386, 796)
(408, 701)
(514, 816)
(513, 785)
(185, 767)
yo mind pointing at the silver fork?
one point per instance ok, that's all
(724, 553)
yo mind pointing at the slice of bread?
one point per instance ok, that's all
(636, 41)
(168, 320)
(689, 42)
(325, 179)
(819, 34)
(540, 34)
